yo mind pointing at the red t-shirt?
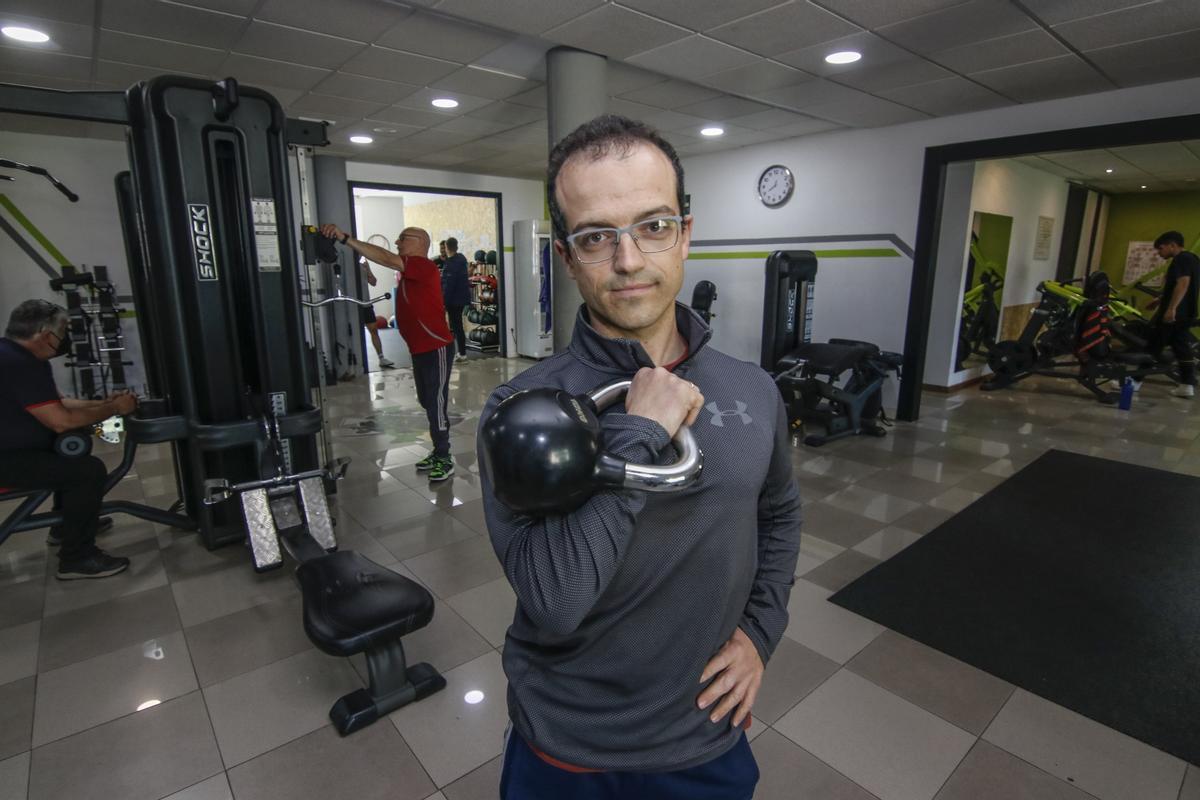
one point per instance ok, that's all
(420, 312)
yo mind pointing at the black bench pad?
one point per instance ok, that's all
(833, 359)
(351, 603)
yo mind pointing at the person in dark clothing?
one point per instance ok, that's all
(457, 292)
(31, 414)
(1177, 311)
(644, 620)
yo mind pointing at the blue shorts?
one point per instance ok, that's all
(526, 776)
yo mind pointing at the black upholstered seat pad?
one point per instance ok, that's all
(833, 359)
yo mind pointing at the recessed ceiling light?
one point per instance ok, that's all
(473, 697)
(713, 131)
(22, 34)
(1109, 170)
(445, 102)
(361, 139)
(843, 57)
(1143, 186)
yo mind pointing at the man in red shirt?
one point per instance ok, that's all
(421, 320)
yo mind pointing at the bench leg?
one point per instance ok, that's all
(392, 685)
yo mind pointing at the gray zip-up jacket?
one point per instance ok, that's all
(621, 603)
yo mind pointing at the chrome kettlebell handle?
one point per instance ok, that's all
(648, 477)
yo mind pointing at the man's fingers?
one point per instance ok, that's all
(747, 703)
(727, 704)
(715, 664)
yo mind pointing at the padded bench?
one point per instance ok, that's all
(353, 605)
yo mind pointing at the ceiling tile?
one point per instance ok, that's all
(451, 39)
(533, 97)
(1141, 58)
(1044, 80)
(45, 82)
(699, 15)
(79, 12)
(866, 112)
(771, 118)
(754, 79)
(1042, 164)
(946, 96)
(1131, 24)
(422, 100)
(476, 150)
(389, 131)
(357, 87)
(355, 19)
(1054, 12)
(623, 78)
(693, 57)
(524, 16)
(1127, 75)
(670, 94)
(1005, 51)
(334, 108)
(45, 126)
(473, 126)
(117, 74)
(172, 22)
(508, 113)
(903, 73)
(240, 7)
(482, 83)
(439, 137)
(973, 21)
(439, 159)
(268, 40)
(875, 14)
(66, 38)
(674, 121)
(724, 107)
(393, 65)
(1164, 159)
(784, 28)
(158, 53)
(523, 55)
(628, 108)
(265, 71)
(534, 134)
(616, 32)
(875, 52)
(285, 96)
(812, 92)
(408, 116)
(804, 127)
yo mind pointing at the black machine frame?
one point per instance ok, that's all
(929, 215)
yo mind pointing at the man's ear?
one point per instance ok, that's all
(564, 253)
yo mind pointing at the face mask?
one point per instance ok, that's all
(64, 346)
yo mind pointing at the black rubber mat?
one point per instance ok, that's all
(1077, 579)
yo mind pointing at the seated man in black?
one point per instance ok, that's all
(31, 414)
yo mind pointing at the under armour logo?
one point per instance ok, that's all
(718, 416)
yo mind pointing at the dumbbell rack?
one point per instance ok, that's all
(94, 328)
(484, 312)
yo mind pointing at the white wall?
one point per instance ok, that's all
(868, 181)
(519, 199)
(383, 216)
(87, 232)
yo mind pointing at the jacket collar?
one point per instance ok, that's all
(627, 355)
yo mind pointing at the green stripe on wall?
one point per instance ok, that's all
(870, 252)
(508, 249)
(33, 231)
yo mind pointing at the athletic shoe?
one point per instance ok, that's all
(442, 468)
(426, 463)
(103, 526)
(386, 362)
(97, 565)
(461, 357)
(1184, 390)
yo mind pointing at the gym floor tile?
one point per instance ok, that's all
(955, 499)
(14, 777)
(899, 484)
(989, 773)
(929, 469)
(223, 592)
(488, 608)
(373, 764)
(245, 640)
(457, 567)
(832, 467)
(816, 487)
(886, 543)
(1191, 784)
(145, 572)
(371, 512)
(260, 710)
(88, 693)
(363, 543)
(788, 772)
(23, 603)
(973, 444)
(828, 629)
(476, 729)
(791, 674)
(961, 459)
(446, 642)
(1099, 760)
(214, 788)
(887, 745)
(16, 717)
(836, 525)
(841, 570)
(982, 482)
(142, 756)
(19, 651)
(871, 503)
(101, 628)
(479, 784)
(956, 692)
(923, 519)
(471, 515)
(814, 551)
(411, 537)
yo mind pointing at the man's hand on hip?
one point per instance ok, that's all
(736, 672)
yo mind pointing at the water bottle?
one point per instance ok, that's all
(1126, 394)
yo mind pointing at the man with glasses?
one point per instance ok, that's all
(421, 320)
(31, 414)
(644, 621)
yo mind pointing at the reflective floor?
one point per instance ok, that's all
(191, 677)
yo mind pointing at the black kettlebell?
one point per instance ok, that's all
(541, 449)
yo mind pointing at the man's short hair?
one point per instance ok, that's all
(452, 244)
(596, 139)
(1170, 237)
(34, 316)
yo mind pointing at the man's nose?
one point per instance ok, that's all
(628, 257)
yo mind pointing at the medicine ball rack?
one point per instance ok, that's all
(484, 311)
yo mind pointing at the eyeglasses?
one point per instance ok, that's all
(596, 245)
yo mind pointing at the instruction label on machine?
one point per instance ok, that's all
(266, 235)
